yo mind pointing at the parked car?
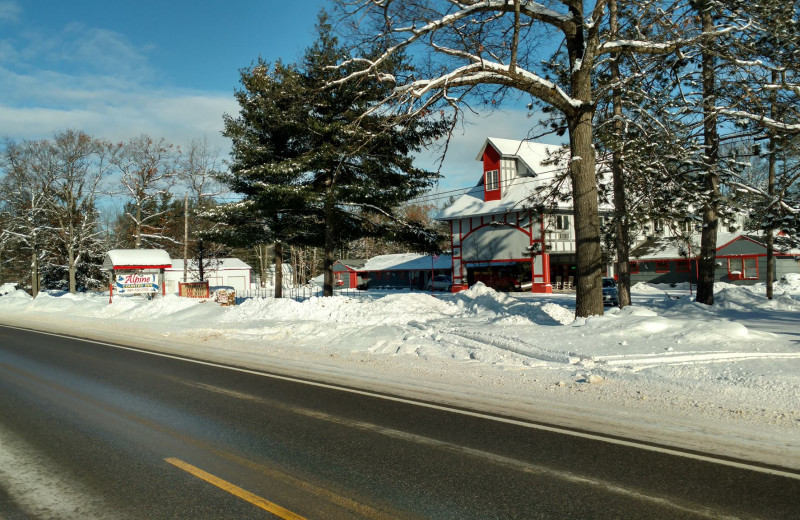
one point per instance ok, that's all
(440, 282)
(610, 293)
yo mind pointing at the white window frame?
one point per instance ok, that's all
(492, 180)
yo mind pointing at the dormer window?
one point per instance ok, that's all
(492, 180)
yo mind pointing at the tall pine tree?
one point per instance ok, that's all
(316, 165)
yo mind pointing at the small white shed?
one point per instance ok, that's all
(230, 272)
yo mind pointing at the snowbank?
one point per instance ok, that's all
(729, 371)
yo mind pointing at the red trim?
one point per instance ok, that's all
(543, 287)
(743, 271)
(491, 162)
(740, 237)
(471, 231)
(503, 261)
(662, 266)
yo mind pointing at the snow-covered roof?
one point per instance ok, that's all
(520, 189)
(136, 259)
(472, 203)
(532, 154)
(672, 247)
(215, 264)
(353, 263)
(407, 262)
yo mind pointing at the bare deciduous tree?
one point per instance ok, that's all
(148, 171)
(492, 47)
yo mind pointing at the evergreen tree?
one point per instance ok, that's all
(316, 164)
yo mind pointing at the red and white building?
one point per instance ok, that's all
(496, 236)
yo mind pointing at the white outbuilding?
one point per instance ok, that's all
(228, 272)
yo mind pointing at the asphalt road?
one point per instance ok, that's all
(96, 431)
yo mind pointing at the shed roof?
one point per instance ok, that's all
(215, 264)
(136, 259)
(407, 262)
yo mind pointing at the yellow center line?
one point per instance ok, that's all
(256, 500)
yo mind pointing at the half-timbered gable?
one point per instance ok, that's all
(497, 236)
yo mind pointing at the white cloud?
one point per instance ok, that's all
(96, 81)
(10, 11)
(178, 117)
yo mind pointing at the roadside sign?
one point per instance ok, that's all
(136, 284)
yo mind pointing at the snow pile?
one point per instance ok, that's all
(418, 307)
(10, 289)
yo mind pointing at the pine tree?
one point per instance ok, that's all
(316, 164)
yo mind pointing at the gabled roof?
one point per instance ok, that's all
(532, 154)
(518, 192)
(668, 248)
(136, 259)
(353, 263)
(212, 264)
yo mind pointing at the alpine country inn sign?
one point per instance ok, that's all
(137, 283)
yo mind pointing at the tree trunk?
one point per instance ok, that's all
(770, 231)
(201, 253)
(185, 237)
(588, 291)
(71, 260)
(34, 274)
(771, 191)
(618, 172)
(589, 283)
(73, 284)
(708, 240)
(278, 270)
(137, 244)
(327, 259)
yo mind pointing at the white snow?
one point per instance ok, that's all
(136, 257)
(724, 378)
(42, 489)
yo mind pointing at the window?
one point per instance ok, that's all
(750, 268)
(492, 180)
(662, 266)
(562, 222)
(745, 268)
(633, 267)
(683, 266)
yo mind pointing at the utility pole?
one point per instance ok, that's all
(185, 236)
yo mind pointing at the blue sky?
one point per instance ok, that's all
(118, 69)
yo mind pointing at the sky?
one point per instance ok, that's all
(168, 69)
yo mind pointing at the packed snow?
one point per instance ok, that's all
(722, 378)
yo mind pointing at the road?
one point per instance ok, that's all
(89, 430)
